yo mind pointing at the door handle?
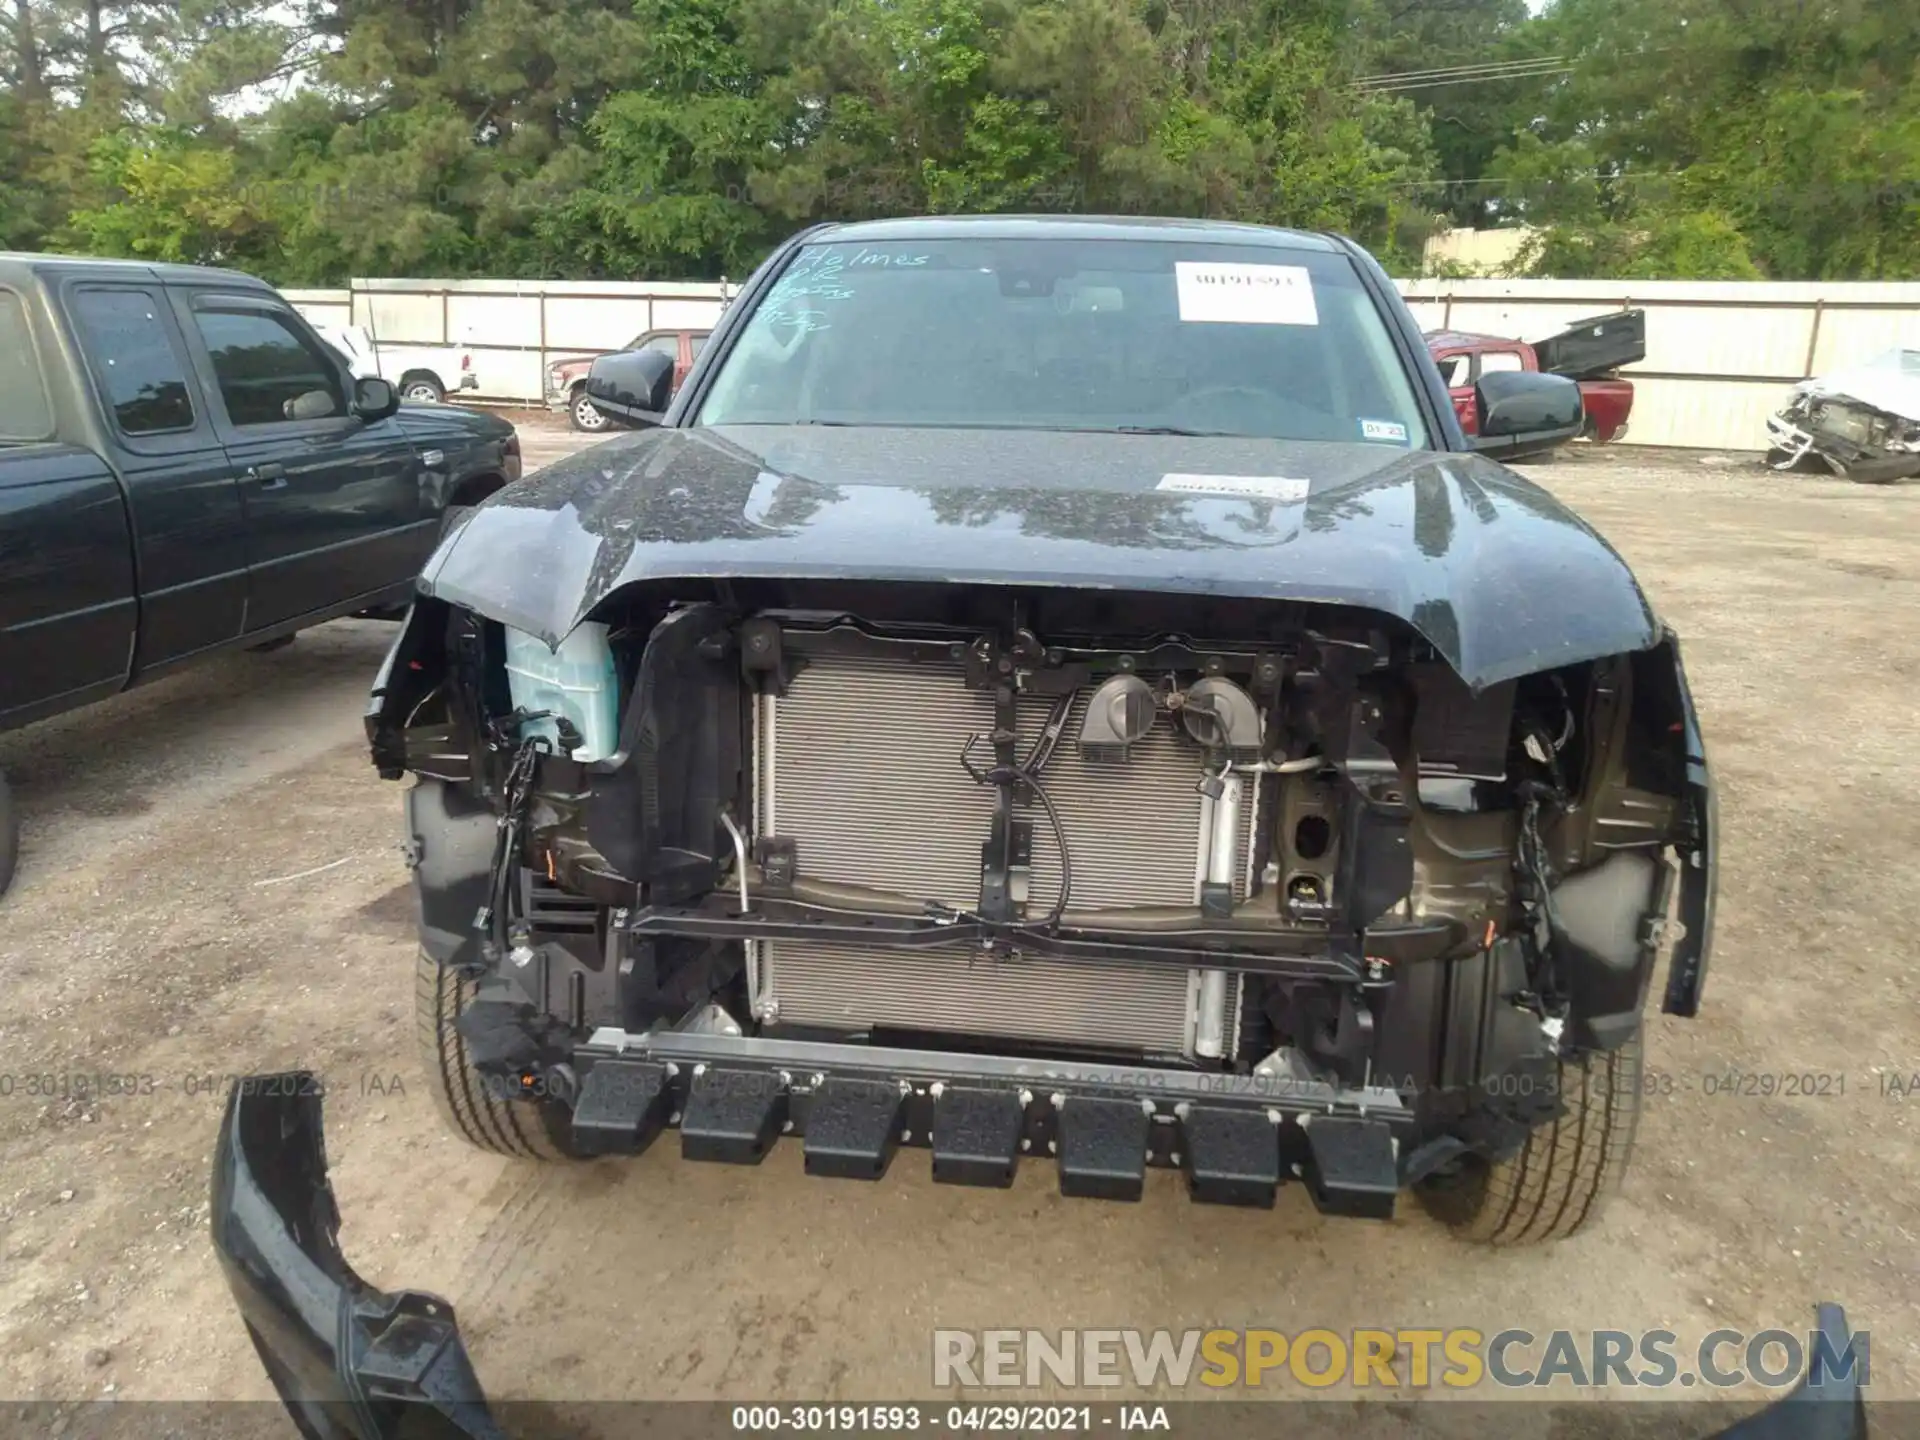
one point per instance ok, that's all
(271, 476)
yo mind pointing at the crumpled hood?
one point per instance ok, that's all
(1496, 573)
(1877, 387)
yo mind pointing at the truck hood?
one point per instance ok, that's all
(1500, 577)
(444, 424)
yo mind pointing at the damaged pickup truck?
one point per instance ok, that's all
(1046, 691)
(1862, 423)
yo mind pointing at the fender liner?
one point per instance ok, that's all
(1699, 855)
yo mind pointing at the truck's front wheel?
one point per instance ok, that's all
(1558, 1182)
(585, 415)
(468, 1101)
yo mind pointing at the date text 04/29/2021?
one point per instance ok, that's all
(960, 1419)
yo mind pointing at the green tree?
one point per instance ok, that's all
(174, 201)
(667, 193)
(1728, 137)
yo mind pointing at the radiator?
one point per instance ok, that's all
(859, 765)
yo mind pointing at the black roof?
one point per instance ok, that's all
(1061, 227)
(17, 265)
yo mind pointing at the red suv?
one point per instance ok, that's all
(567, 380)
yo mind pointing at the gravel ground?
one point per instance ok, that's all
(211, 884)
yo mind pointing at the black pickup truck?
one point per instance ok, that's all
(186, 468)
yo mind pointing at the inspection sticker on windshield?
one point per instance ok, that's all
(1238, 487)
(1383, 430)
(1245, 294)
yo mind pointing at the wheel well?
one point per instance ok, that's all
(410, 376)
(474, 489)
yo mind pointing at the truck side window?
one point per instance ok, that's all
(134, 360)
(1492, 360)
(1453, 370)
(24, 413)
(268, 373)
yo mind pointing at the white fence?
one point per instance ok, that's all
(511, 331)
(1721, 355)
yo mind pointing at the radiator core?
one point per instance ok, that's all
(859, 765)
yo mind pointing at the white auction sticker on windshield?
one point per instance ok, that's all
(1238, 487)
(1245, 294)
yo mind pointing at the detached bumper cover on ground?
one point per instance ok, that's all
(358, 1363)
(347, 1359)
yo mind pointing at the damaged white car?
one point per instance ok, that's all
(1862, 423)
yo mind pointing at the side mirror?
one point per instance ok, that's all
(1523, 412)
(632, 386)
(374, 398)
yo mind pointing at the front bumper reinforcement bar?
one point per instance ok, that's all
(1236, 1138)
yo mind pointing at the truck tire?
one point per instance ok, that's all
(422, 388)
(583, 414)
(1557, 1184)
(525, 1129)
(9, 835)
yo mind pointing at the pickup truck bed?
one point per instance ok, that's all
(1589, 351)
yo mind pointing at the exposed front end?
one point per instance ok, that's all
(1851, 437)
(1257, 892)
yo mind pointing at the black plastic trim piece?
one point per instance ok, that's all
(1232, 1157)
(623, 1107)
(976, 1136)
(853, 1128)
(732, 1116)
(1103, 1148)
(1351, 1168)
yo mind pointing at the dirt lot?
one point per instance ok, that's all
(212, 884)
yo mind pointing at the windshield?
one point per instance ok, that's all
(1094, 334)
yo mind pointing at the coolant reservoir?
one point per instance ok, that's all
(577, 680)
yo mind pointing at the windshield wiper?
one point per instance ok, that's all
(1172, 430)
